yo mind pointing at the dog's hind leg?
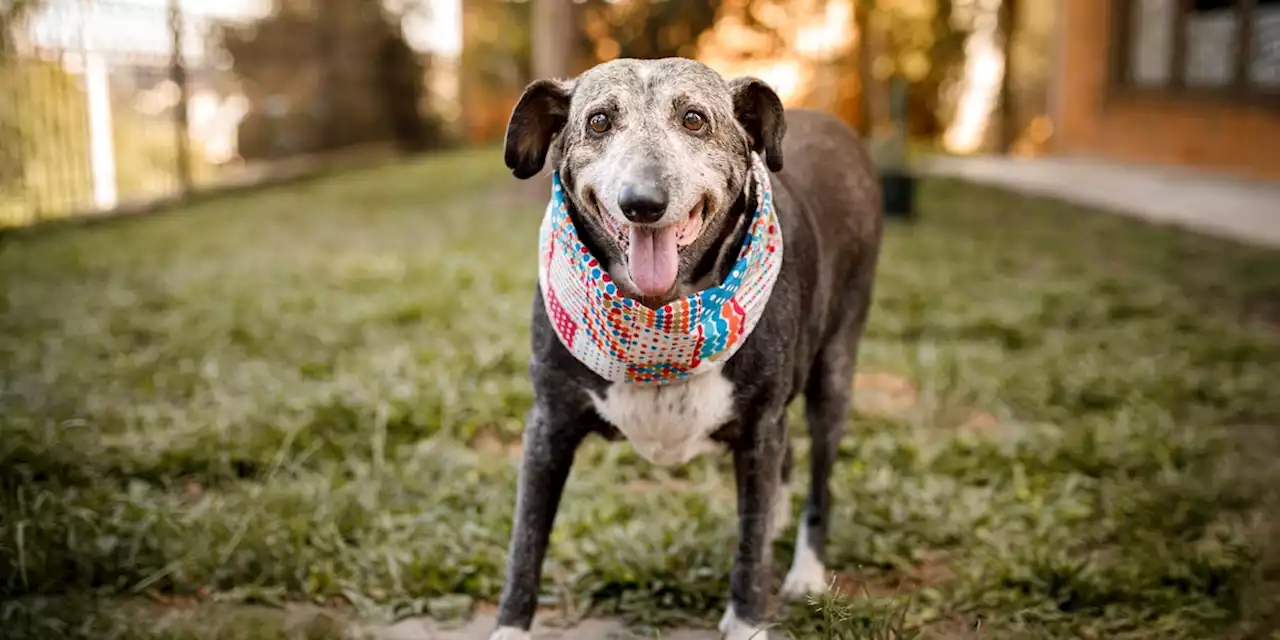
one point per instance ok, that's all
(544, 468)
(828, 402)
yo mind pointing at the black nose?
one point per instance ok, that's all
(642, 202)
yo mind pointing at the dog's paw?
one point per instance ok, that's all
(731, 628)
(801, 584)
(509, 633)
(807, 575)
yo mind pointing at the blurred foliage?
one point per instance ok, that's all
(923, 42)
(498, 37)
(13, 14)
(497, 45)
(607, 30)
(1032, 75)
(326, 75)
(920, 40)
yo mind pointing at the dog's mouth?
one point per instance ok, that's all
(653, 252)
(616, 228)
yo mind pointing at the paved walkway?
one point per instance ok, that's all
(1242, 210)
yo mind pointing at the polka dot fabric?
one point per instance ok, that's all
(625, 341)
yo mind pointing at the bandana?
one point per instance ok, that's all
(623, 340)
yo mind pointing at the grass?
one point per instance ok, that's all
(1068, 427)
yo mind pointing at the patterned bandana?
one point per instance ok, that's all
(621, 339)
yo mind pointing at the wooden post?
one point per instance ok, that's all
(178, 74)
(102, 153)
(553, 38)
(1178, 75)
(1008, 22)
(862, 20)
(1244, 45)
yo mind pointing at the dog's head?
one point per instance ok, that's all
(654, 156)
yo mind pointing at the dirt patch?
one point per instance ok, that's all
(192, 492)
(489, 444)
(983, 424)
(932, 571)
(955, 627)
(884, 394)
(546, 627)
(889, 395)
(1264, 312)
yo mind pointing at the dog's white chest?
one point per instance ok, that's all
(670, 424)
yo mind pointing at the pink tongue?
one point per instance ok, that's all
(653, 259)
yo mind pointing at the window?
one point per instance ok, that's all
(1228, 48)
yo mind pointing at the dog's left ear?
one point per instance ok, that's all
(537, 118)
(759, 110)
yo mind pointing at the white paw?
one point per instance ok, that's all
(807, 575)
(781, 512)
(731, 628)
(509, 633)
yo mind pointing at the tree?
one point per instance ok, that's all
(552, 38)
(13, 15)
(507, 44)
(922, 42)
(607, 30)
(327, 75)
(862, 24)
(1007, 21)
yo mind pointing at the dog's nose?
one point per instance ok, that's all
(643, 203)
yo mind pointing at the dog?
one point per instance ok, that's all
(653, 161)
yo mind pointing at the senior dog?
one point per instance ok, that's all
(689, 289)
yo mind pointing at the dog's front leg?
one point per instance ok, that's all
(549, 446)
(757, 467)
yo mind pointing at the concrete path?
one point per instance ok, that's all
(1242, 210)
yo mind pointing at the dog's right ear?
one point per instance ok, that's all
(537, 118)
(760, 111)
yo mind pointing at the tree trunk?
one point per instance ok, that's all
(862, 21)
(1008, 22)
(552, 38)
(875, 45)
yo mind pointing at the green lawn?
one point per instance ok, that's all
(1068, 426)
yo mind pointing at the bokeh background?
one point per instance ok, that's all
(111, 102)
(118, 102)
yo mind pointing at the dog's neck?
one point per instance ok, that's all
(712, 266)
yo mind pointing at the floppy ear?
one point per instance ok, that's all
(759, 110)
(540, 114)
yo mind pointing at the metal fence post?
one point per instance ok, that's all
(178, 74)
(97, 89)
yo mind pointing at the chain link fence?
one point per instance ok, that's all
(108, 104)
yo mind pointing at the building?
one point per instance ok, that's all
(1174, 82)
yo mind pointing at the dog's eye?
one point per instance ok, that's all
(694, 121)
(599, 123)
